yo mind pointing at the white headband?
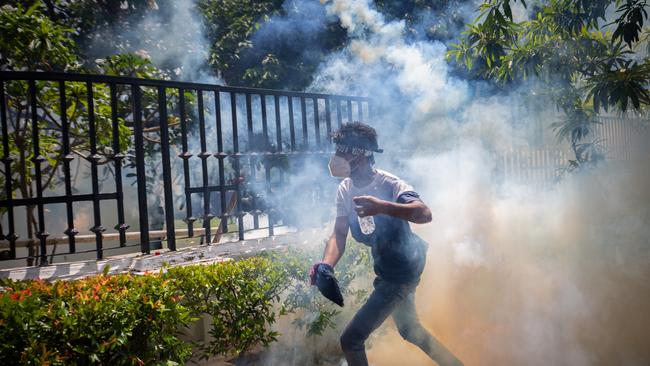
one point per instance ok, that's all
(353, 150)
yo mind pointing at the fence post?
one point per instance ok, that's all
(140, 171)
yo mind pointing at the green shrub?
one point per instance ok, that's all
(137, 320)
(111, 320)
(238, 296)
(318, 313)
(129, 320)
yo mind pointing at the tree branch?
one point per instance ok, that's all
(54, 168)
(47, 114)
(154, 129)
(151, 140)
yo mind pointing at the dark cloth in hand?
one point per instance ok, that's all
(327, 283)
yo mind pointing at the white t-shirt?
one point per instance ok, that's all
(398, 254)
(384, 186)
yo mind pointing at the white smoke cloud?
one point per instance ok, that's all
(515, 275)
(175, 38)
(379, 60)
(469, 253)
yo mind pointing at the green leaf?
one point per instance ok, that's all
(506, 9)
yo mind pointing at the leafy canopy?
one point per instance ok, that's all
(569, 45)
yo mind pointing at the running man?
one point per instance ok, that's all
(377, 207)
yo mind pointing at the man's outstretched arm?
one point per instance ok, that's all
(415, 211)
(336, 243)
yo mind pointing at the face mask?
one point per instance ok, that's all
(339, 167)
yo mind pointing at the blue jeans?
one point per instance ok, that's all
(397, 300)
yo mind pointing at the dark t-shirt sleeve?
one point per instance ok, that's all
(408, 197)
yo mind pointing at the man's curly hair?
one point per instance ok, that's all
(356, 134)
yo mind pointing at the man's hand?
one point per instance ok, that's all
(312, 273)
(314, 269)
(368, 205)
(415, 211)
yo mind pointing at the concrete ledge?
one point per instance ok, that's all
(138, 263)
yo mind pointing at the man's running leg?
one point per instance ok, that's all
(409, 327)
(382, 302)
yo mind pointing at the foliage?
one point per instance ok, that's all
(249, 44)
(247, 48)
(239, 298)
(127, 320)
(131, 65)
(629, 24)
(88, 19)
(111, 320)
(439, 20)
(52, 49)
(240, 52)
(565, 44)
(229, 25)
(320, 314)
(617, 85)
(31, 41)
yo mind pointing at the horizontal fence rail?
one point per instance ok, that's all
(158, 160)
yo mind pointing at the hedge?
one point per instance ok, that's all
(129, 319)
(137, 320)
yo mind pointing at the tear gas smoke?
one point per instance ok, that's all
(520, 277)
(514, 276)
(173, 38)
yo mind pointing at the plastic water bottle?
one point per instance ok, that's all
(367, 225)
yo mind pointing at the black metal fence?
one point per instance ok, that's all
(206, 141)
